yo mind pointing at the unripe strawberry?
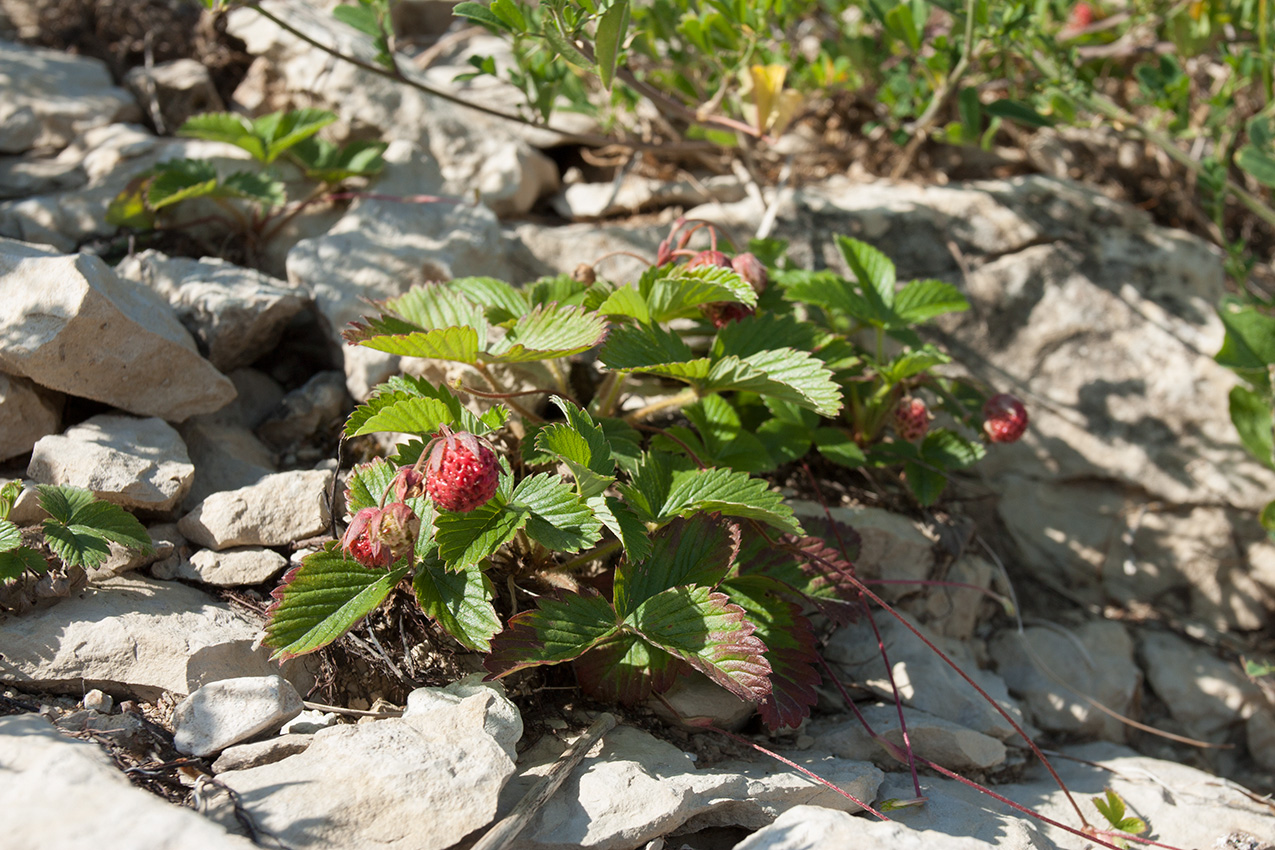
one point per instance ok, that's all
(709, 258)
(462, 472)
(377, 537)
(1004, 418)
(911, 419)
(748, 267)
(722, 313)
(408, 483)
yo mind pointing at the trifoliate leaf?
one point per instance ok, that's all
(707, 631)
(549, 331)
(501, 301)
(830, 292)
(949, 450)
(626, 669)
(79, 526)
(725, 440)
(580, 443)
(727, 492)
(797, 377)
(680, 294)
(912, 362)
(695, 551)
(459, 601)
(463, 419)
(556, 630)
(398, 411)
(323, 599)
(328, 163)
(922, 300)
(557, 517)
(621, 521)
(837, 446)
(426, 321)
(791, 650)
(279, 131)
(811, 568)
(14, 562)
(467, 538)
(648, 490)
(225, 127)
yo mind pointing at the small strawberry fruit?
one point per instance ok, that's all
(1004, 418)
(722, 313)
(408, 483)
(377, 537)
(911, 419)
(709, 258)
(748, 267)
(462, 472)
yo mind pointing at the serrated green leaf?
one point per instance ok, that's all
(925, 482)
(14, 562)
(254, 187)
(764, 331)
(113, 523)
(462, 418)
(79, 526)
(621, 521)
(913, 362)
(456, 344)
(501, 301)
(638, 347)
(727, 492)
(695, 551)
(922, 300)
(651, 480)
(625, 442)
(62, 503)
(432, 306)
(558, 518)
(707, 631)
(323, 599)
(949, 450)
(1112, 807)
(1251, 413)
(808, 567)
(362, 18)
(549, 331)
(626, 302)
(397, 411)
(8, 496)
(281, 130)
(725, 440)
(837, 446)
(680, 293)
(128, 208)
(783, 442)
(224, 127)
(478, 12)
(10, 536)
(783, 373)
(179, 180)
(564, 443)
(624, 668)
(366, 485)
(609, 39)
(832, 293)
(563, 290)
(556, 630)
(873, 269)
(459, 601)
(467, 538)
(326, 162)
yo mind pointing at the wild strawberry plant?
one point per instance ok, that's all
(651, 547)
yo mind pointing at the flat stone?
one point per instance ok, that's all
(318, 403)
(236, 315)
(277, 510)
(27, 413)
(226, 457)
(1052, 671)
(51, 96)
(133, 463)
(233, 567)
(1207, 695)
(44, 770)
(71, 324)
(637, 787)
(501, 719)
(941, 741)
(635, 193)
(229, 711)
(419, 782)
(891, 546)
(138, 636)
(257, 753)
(165, 541)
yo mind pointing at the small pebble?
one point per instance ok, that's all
(98, 701)
(805, 742)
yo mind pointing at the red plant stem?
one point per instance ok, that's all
(863, 589)
(990, 594)
(805, 770)
(894, 688)
(669, 436)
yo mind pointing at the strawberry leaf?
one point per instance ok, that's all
(621, 521)
(873, 269)
(10, 536)
(631, 348)
(549, 331)
(764, 332)
(323, 599)
(459, 601)
(626, 669)
(782, 373)
(680, 294)
(462, 417)
(922, 300)
(225, 127)
(180, 179)
(727, 492)
(725, 440)
(16, 561)
(707, 631)
(279, 131)
(626, 302)
(556, 630)
(556, 517)
(791, 649)
(499, 300)
(366, 485)
(8, 496)
(582, 446)
(808, 567)
(397, 411)
(695, 551)
(465, 539)
(79, 526)
(456, 344)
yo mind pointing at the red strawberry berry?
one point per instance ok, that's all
(462, 472)
(911, 419)
(1004, 418)
(377, 537)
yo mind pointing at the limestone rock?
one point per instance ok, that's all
(501, 719)
(226, 457)
(71, 324)
(415, 783)
(941, 741)
(71, 794)
(50, 96)
(1094, 660)
(319, 403)
(277, 510)
(166, 540)
(233, 567)
(174, 91)
(663, 791)
(806, 827)
(138, 636)
(236, 315)
(134, 463)
(1204, 693)
(27, 413)
(891, 546)
(228, 711)
(636, 193)
(257, 753)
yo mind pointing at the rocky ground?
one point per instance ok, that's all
(206, 397)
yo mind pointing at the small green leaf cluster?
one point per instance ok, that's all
(1249, 350)
(1112, 807)
(271, 140)
(78, 531)
(638, 522)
